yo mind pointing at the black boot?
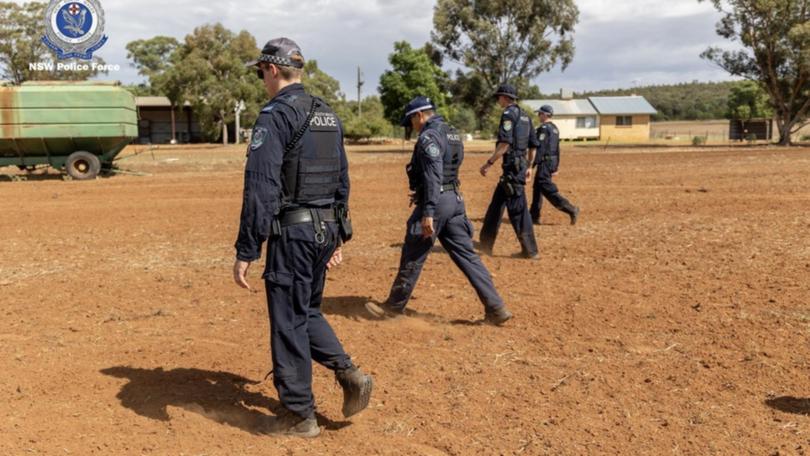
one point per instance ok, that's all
(382, 311)
(288, 423)
(498, 317)
(574, 214)
(356, 390)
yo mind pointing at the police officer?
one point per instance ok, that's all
(439, 214)
(547, 162)
(515, 138)
(296, 175)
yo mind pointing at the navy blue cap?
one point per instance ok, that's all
(418, 104)
(280, 51)
(546, 109)
(507, 90)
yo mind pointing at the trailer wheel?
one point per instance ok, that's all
(83, 165)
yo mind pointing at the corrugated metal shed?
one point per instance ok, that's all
(155, 102)
(622, 105)
(564, 107)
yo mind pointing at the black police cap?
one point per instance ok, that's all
(280, 51)
(418, 104)
(507, 90)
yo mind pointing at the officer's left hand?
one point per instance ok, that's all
(484, 169)
(528, 174)
(336, 259)
(240, 269)
(427, 227)
(555, 173)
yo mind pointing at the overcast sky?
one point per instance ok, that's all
(619, 43)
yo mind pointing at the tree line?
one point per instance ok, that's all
(489, 42)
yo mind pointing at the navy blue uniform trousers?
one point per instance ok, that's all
(299, 334)
(454, 230)
(518, 210)
(545, 187)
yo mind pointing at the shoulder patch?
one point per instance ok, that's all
(258, 137)
(542, 136)
(433, 150)
(507, 125)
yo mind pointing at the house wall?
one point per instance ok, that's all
(568, 128)
(638, 132)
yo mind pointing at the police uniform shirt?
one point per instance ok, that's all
(429, 154)
(274, 129)
(548, 137)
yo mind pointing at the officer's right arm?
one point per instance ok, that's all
(262, 190)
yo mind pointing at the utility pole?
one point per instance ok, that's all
(360, 83)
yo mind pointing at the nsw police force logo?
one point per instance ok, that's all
(74, 28)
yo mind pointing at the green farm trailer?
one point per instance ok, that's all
(77, 127)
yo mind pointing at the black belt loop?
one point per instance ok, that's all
(319, 226)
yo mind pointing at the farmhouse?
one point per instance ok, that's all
(576, 119)
(623, 119)
(615, 119)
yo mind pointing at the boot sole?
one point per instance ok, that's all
(378, 312)
(353, 407)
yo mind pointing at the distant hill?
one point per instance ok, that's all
(686, 101)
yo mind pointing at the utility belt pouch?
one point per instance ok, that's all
(508, 187)
(344, 222)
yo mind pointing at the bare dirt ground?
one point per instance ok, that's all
(674, 319)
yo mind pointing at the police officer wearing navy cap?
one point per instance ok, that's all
(295, 195)
(515, 138)
(439, 214)
(547, 162)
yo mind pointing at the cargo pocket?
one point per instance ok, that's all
(278, 278)
(469, 226)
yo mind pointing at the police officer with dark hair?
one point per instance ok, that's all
(515, 138)
(295, 197)
(547, 162)
(439, 214)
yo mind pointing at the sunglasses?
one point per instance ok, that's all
(260, 74)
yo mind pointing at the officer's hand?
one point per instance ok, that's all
(427, 227)
(336, 259)
(240, 269)
(528, 174)
(555, 173)
(484, 169)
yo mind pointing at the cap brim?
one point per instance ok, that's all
(512, 96)
(252, 63)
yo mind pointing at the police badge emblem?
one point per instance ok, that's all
(507, 125)
(433, 150)
(258, 138)
(74, 29)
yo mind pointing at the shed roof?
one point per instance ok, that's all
(155, 102)
(622, 105)
(579, 107)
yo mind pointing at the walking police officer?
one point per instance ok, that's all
(295, 194)
(439, 214)
(547, 162)
(515, 138)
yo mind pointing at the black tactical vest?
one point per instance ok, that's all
(522, 129)
(453, 154)
(310, 171)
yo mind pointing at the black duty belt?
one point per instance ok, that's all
(299, 216)
(450, 187)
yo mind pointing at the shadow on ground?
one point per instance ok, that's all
(218, 396)
(788, 404)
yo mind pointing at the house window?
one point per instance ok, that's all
(586, 122)
(624, 121)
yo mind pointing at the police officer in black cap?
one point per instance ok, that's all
(515, 138)
(547, 162)
(295, 196)
(439, 214)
